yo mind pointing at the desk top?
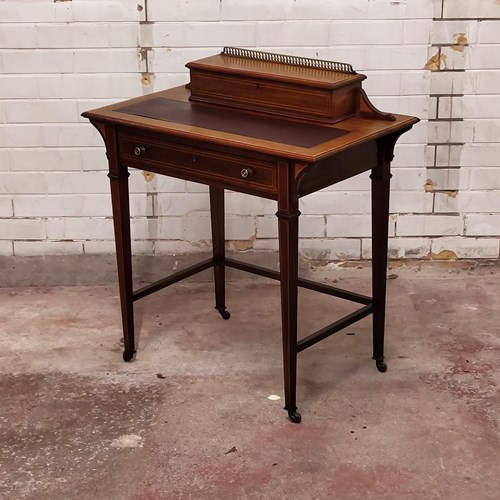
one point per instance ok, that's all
(170, 112)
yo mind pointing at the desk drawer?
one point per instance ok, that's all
(197, 164)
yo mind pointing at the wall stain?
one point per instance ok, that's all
(461, 42)
(436, 62)
(149, 176)
(444, 255)
(429, 186)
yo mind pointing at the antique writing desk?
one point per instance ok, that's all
(274, 126)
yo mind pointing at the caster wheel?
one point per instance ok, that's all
(381, 366)
(225, 314)
(295, 417)
(127, 356)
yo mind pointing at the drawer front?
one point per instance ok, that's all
(279, 97)
(198, 164)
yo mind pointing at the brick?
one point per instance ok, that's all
(293, 33)
(353, 226)
(489, 32)
(447, 32)
(18, 86)
(467, 8)
(37, 62)
(4, 160)
(18, 36)
(410, 202)
(415, 83)
(446, 202)
(20, 12)
(475, 106)
(356, 56)
(412, 105)
(22, 229)
(360, 182)
(40, 111)
(400, 9)
(265, 245)
(485, 82)
(380, 83)
(6, 248)
(72, 35)
(429, 225)
(153, 228)
(417, 32)
(197, 228)
(311, 226)
(210, 34)
(449, 107)
(47, 247)
(240, 204)
(445, 178)
(447, 82)
(77, 206)
(336, 203)
(409, 155)
(105, 246)
(330, 250)
(49, 135)
(455, 59)
(108, 61)
(448, 156)
(486, 130)
(331, 9)
(111, 10)
(101, 247)
(484, 57)
(261, 10)
(404, 179)
(401, 248)
(183, 10)
(402, 57)
(433, 108)
(462, 131)
(240, 228)
(417, 135)
(195, 187)
(165, 81)
(479, 201)
(174, 247)
(267, 227)
(480, 155)
(485, 178)
(467, 248)
(174, 60)
(80, 228)
(180, 204)
(51, 183)
(366, 33)
(5, 207)
(90, 86)
(482, 225)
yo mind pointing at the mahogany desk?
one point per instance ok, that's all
(284, 128)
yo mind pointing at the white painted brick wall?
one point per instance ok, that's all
(59, 58)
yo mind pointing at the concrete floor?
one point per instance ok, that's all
(190, 418)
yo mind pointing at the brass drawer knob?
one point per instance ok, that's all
(139, 150)
(246, 172)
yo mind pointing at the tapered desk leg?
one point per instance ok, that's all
(288, 225)
(218, 242)
(380, 226)
(121, 222)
